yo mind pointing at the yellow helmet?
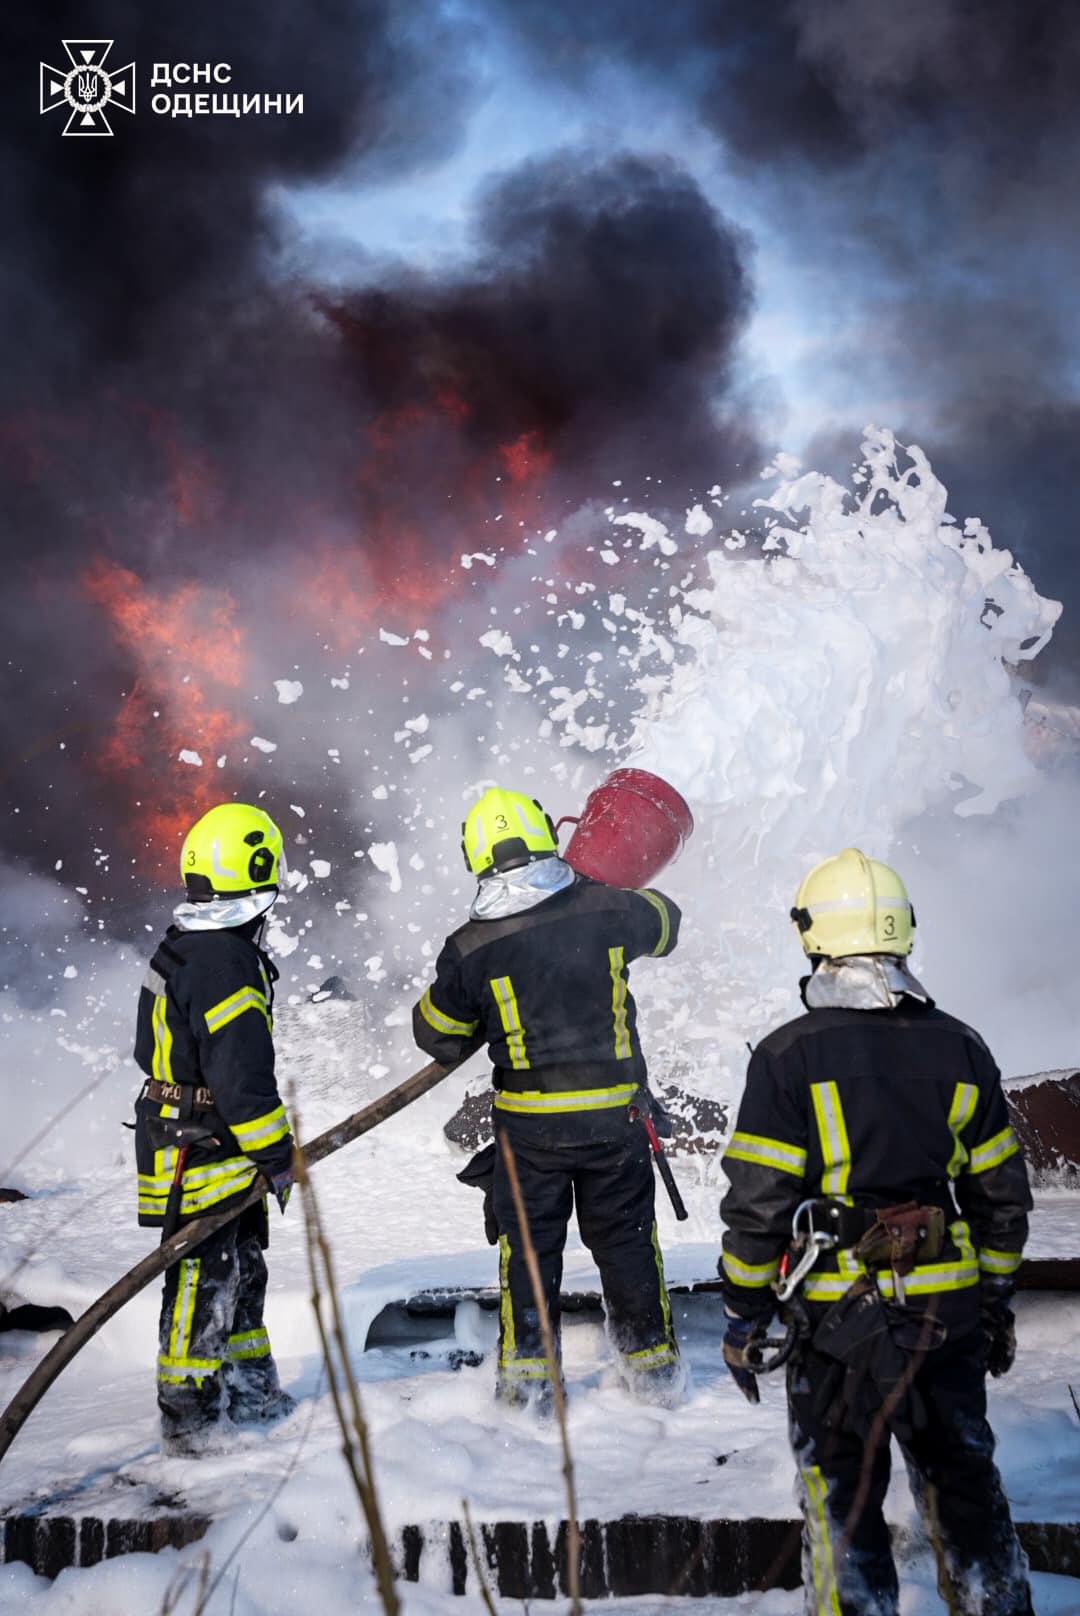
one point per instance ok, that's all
(232, 850)
(504, 830)
(853, 905)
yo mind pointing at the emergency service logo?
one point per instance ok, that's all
(87, 87)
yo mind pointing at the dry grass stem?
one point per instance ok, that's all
(474, 1555)
(344, 1391)
(573, 1531)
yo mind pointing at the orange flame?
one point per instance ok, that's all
(189, 652)
(526, 460)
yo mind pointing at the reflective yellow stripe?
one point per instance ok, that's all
(507, 1341)
(183, 1318)
(524, 1369)
(261, 1131)
(219, 1015)
(750, 1273)
(651, 1357)
(965, 1099)
(203, 1186)
(755, 1147)
(665, 919)
(618, 1004)
(249, 1344)
(925, 1279)
(821, 1554)
(833, 1136)
(665, 1301)
(534, 1100)
(998, 1262)
(993, 1152)
(161, 1060)
(505, 998)
(194, 1177)
(443, 1023)
(175, 1370)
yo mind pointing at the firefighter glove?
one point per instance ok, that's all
(740, 1336)
(281, 1184)
(998, 1326)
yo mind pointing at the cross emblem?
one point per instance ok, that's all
(87, 87)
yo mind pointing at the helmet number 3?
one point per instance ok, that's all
(890, 926)
(501, 822)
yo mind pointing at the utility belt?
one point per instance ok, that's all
(897, 1237)
(185, 1096)
(195, 1121)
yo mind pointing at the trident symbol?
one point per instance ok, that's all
(87, 86)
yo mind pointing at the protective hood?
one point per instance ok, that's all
(221, 914)
(511, 892)
(862, 982)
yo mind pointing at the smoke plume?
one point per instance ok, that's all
(205, 450)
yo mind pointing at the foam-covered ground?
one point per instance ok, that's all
(399, 1221)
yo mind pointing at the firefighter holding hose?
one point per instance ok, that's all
(873, 1129)
(539, 973)
(209, 1120)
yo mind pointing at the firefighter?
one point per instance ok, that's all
(539, 973)
(887, 1116)
(209, 1121)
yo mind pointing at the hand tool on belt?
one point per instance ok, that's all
(645, 1109)
(895, 1237)
(179, 1133)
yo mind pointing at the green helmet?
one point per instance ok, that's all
(853, 905)
(231, 851)
(505, 830)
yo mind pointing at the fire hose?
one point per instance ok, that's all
(178, 1245)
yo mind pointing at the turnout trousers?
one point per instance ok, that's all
(213, 1350)
(611, 1183)
(848, 1568)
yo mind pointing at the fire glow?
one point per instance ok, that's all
(189, 652)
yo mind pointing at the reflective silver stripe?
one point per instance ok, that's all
(665, 919)
(993, 1152)
(757, 1274)
(503, 990)
(964, 1100)
(249, 998)
(753, 1147)
(998, 1262)
(651, 1357)
(215, 860)
(441, 1021)
(833, 1138)
(924, 1280)
(576, 1100)
(261, 1131)
(531, 827)
(858, 903)
(154, 981)
(920, 1282)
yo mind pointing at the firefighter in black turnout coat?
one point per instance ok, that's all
(888, 1118)
(209, 1120)
(539, 972)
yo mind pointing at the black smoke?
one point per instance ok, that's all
(919, 159)
(184, 398)
(601, 311)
